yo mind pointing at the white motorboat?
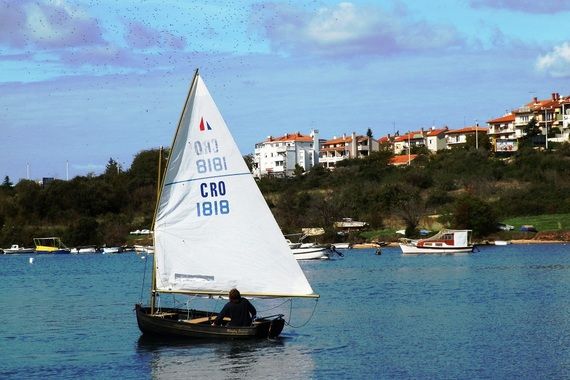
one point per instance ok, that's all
(444, 242)
(82, 250)
(15, 248)
(342, 245)
(311, 253)
(112, 250)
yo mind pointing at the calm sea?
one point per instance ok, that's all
(503, 312)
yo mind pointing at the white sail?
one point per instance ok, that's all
(213, 229)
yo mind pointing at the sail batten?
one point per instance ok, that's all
(205, 178)
(213, 229)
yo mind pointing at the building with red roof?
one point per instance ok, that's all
(280, 156)
(458, 137)
(340, 148)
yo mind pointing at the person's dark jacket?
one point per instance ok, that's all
(240, 312)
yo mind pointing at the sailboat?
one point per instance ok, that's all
(213, 231)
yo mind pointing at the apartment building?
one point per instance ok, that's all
(340, 148)
(458, 137)
(279, 156)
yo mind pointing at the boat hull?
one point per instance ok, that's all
(318, 253)
(175, 323)
(12, 251)
(53, 252)
(411, 249)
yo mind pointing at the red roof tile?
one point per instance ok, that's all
(503, 119)
(291, 137)
(402, 159)
(435, 132)
(472, 129)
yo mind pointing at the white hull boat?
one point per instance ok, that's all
(82, 250)
(15, 248)
(112, 250)
(342, 245)
(148, 249)
(444, 242)
(312, 253)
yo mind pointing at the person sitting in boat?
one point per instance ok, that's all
(240, 311)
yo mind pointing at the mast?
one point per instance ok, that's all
(153, 291)
(158, 187)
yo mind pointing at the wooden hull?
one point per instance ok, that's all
(196, 324)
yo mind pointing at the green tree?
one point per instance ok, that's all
(472, 213)
(113, 168)
(531, 132)
(7, 183)
(481, 140)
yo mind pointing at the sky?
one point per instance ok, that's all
(86, 81)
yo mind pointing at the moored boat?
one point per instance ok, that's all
(207, 192)
(51, 245)
(84, 249)
(342, 245)
(311, 253)
(112, 249)
(140, 249)
(444, 242)
(15, 248)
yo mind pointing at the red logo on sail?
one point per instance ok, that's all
(204, 126)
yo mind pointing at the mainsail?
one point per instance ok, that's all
(213, 230)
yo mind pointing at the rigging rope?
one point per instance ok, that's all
(143, 280)
(307, 321)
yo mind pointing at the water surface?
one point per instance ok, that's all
(500, 313)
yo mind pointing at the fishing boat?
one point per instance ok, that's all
(15, 248)
(51, 245)
(444, 242)
(213, 231)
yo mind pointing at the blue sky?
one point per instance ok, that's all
(88, 80)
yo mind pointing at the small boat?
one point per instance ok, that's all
(15, 248)
(342, 245)
(148, 249)
(51, 245)
(84, 249)
(502, 242)
(293, 245)
(444, 242)
(107, 250)
(207, 198)
(311, 253)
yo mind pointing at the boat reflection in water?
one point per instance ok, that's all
(257, 359)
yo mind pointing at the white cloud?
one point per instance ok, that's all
(347, 30)
(556, 62)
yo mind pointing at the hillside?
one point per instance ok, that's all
(464, 188)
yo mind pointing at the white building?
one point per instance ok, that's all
(338, 149)
(279, 156)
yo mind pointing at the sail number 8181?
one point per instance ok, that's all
(214, 164)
